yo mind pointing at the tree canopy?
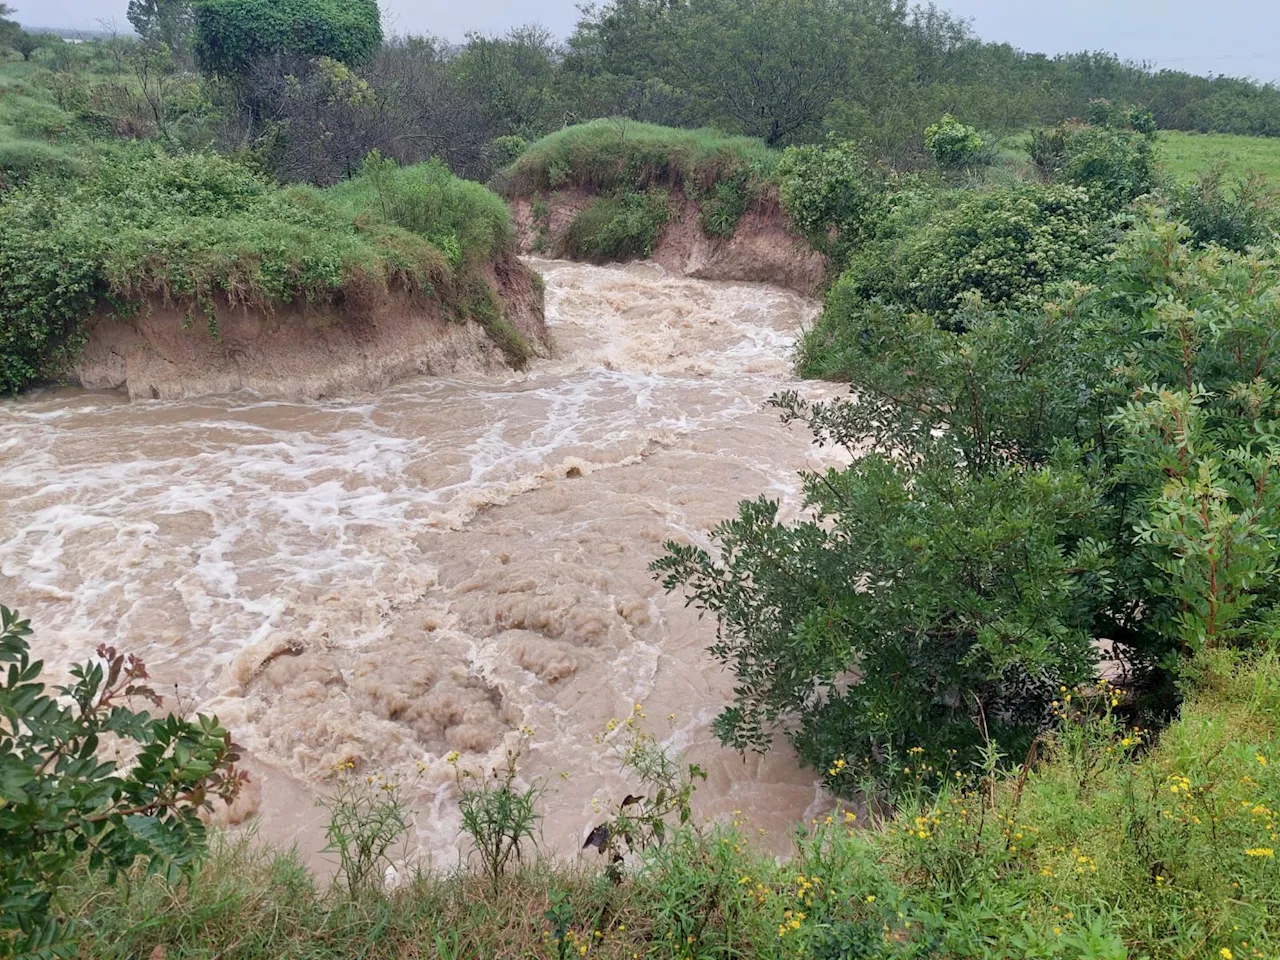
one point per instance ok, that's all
(232, 35)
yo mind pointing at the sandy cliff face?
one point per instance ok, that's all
(301, 353)
(763, 248)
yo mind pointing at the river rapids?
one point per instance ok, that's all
(390, 578)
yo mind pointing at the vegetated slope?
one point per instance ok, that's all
(697, 201)
(197, 275)
(1111, 844)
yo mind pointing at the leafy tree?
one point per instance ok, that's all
(767, 68)
(64, 804)
(8, 27)
(770, 67)
(167, 22)
(27, 43)
(232, 35)
(510, 80)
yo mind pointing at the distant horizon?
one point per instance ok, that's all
(1211, 48)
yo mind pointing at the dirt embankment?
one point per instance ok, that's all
(302, 353)
(763, 247)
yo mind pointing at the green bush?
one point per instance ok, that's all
(832, 195)
(1237, 216)
(624, 227)
(428, 200)
(504, 151)
(499, 815)
(719, 213)
(20, 160)
(368, 819)
(1006, 245)
(64, 804)
(232, 35)
(1116, 164)
(953, 144)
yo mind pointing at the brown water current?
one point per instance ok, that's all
(392, 577)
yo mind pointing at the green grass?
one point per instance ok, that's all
(197, 230)
(608, 155)
(426, 199)
(1113, 844)
(1186, 155)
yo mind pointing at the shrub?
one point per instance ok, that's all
(499, 816)
(504, 151)
(720, 212)
(1117, 164)
(642, 822)
(624, 227)
(832, 195)
(232, 35)
(966, 604)
(1236, 216)
(953, 144)
(20, 160)
(428, 200)
(65, 804)
(368, 817)
(1007, 246)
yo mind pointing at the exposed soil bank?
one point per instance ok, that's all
(303, 353)
(763, 248)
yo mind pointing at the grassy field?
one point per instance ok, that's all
(1188, 154)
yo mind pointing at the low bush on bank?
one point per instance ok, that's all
(625, 227)
(463, 219)
(196, 230)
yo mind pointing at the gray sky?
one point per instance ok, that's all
(1237, 37)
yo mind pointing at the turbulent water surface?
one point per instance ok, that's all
(390, 578)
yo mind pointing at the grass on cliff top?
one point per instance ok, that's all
(1110, 846)
(1187, 155)
(198, 229)
(618, 154)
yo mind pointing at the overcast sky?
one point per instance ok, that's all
(1237, 37)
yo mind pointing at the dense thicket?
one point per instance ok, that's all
(1063, 435)
(312, 102)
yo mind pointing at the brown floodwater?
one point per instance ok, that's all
(391, 577)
